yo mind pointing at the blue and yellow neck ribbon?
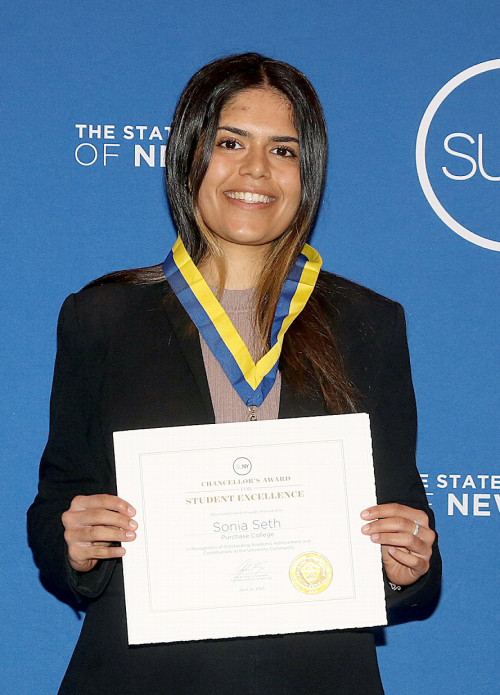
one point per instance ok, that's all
(251, 381)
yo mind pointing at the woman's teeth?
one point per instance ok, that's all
(249, 197)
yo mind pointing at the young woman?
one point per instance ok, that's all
(246, 163)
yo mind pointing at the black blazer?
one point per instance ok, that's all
(129, 358)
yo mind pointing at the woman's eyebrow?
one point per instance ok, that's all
(246, 134)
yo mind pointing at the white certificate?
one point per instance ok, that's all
(249, 529)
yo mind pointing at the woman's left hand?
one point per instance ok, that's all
(405, 537)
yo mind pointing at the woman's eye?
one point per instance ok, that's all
(284, 152)
(230, 144)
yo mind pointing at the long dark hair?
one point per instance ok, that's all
(310, 342)
(194, 130)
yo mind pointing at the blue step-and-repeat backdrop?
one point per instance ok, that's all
(411, 92)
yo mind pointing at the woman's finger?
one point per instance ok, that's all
(393, 509)
(411, 530)
(86, 557)
(99, 534)
(104, 517)
(417, 564)
(96, 543)
(401, 540)
(104, 501)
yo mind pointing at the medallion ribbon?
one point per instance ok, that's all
(251, 380)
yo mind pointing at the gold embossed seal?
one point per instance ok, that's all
(311, 573)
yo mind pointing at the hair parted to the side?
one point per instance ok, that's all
(310, 343)
(194, 129)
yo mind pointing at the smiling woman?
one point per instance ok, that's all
(237, 324)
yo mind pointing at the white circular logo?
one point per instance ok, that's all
(423, 175)
(242, 465)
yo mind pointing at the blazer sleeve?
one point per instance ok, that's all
(394, 426)
(74, 460)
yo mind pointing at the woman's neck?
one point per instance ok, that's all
(243, 267)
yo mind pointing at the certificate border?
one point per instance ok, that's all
(323, 598)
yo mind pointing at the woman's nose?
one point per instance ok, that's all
(255, 163)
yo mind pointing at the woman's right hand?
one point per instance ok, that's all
(92, 524)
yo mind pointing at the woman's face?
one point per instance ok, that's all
(252, 187)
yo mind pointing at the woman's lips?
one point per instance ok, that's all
(248, 197)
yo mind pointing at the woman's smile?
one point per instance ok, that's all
(250, 197)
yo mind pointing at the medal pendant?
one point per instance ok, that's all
(253, 410)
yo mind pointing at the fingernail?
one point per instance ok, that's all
(132, 524)
(130, 534)
(375, 537)
(131, 511)
(365, 528)
(365, 514)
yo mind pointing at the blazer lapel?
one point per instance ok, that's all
(189, 342)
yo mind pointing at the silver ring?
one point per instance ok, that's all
(416, 529)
